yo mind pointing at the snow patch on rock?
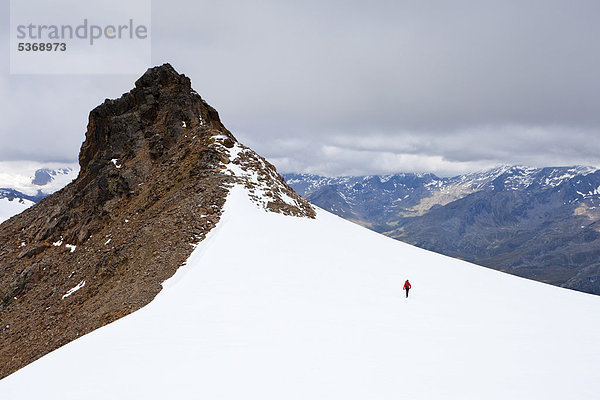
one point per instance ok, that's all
(74, 289)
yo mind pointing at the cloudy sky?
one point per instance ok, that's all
(353, 87)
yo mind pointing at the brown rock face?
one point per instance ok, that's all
(154, 177)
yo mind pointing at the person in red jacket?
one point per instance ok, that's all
(406, 287)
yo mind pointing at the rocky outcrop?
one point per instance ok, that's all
(155, 170)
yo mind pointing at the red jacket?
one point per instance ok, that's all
(406, 285)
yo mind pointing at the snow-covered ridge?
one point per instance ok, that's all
(265, 186)
(515, 177)
(441, 191)
(327, 321)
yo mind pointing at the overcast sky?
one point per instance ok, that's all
(354, 87)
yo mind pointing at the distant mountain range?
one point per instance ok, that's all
(24, 184)
(539, 223)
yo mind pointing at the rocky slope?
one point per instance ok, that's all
(155, 168)
(536, 223)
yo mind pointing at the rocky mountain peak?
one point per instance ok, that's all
(151, 115)
(164, 75)
(156, 168)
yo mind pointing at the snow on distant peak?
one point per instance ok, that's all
(23, 183)
(518, 177)
(584, 170)
(557, 176)
(31, 178)
(385, 178)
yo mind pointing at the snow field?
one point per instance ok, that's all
(9, 208)
(277, 307)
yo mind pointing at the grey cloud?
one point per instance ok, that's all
(437, 67)
(455, 153)
(333, 87)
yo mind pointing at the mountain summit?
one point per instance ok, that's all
(155, 169)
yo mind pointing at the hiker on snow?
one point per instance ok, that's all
(406, 287)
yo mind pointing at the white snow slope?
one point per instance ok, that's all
(276, 307)
(8, 208)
